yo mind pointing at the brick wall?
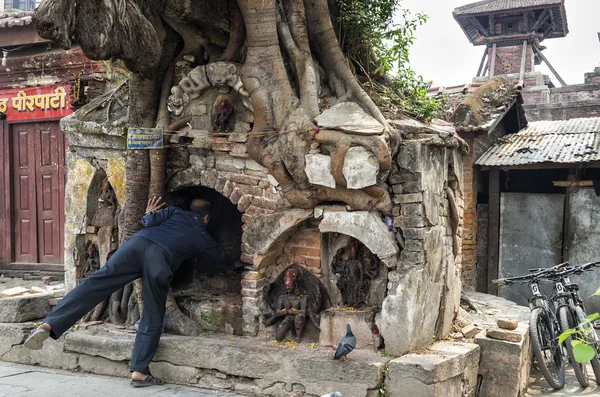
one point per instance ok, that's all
(558, 111)
(575, 93)
(508, 59)
(469, 246)
(478, 145)
(593, 77)
(304, 248)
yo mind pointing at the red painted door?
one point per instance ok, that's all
(38, 186)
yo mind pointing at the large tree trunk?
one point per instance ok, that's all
(290, 53)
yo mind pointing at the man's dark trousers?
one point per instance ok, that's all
(137, 257)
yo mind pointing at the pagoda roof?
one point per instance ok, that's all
(490, 6)
(474, 19)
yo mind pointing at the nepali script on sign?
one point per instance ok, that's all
(35, 103)
(144, 138)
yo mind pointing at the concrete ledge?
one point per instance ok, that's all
(446, 369)
(246, 365)
(253, 366)
(505, 365)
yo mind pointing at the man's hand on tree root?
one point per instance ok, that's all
(154, 204)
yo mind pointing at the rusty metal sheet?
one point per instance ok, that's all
(561, 141)
(583, 241)
(531, 229)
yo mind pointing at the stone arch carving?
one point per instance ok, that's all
(266, 236)
(203, 77)
(368, 228)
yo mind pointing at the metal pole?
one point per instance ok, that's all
(482, 61)
(493, 63)
(523, 61)
(537, 50)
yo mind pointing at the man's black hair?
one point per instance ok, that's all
(201, 207)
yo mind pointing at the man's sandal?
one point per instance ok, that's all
(36, 338)
(149, 381)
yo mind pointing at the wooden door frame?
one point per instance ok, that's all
(6, 184)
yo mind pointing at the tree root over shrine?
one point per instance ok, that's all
(285, 100)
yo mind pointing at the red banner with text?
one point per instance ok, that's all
(48, 102)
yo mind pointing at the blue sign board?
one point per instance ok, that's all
(145, 138)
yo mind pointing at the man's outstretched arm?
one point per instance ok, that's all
(155, 213)
(212, 251)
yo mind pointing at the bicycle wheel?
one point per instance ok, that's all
(566, 322)
(545, 349)
(589, 328)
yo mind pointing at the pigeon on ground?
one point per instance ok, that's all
(334, 394)
(347, 344)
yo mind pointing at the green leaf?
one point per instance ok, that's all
(589, 319)
(583, 353)
(576, 342)
(592, 317)
(562, 337)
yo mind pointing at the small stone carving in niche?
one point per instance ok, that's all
(355, 267)
(223, 114)
(107, 206)
(91, 260)
(296, 296)
(108, 198)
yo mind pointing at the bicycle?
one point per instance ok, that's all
(571, 315)
(543, 327)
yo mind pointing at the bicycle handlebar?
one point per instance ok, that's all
(559, 266)
(530, 276)
(539, 272)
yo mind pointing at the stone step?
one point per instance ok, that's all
(19, 309)
(49, 267)
(243, 364)
(446, 369)
(253, 365)
(505, 365)
(33, 275)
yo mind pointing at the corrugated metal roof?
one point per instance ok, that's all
(563, 141)
(10, 18)
(501, 5)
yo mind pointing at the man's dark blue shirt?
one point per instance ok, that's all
(182, 234)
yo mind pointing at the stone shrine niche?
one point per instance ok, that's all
(91, 260)
(296, 298)
(208, 293)
(354, 276)
(355, 266)
(101, 232)
(213, 95)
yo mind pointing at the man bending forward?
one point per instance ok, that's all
(170, 236)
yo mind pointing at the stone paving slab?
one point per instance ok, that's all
(539, 387)
(23, 380)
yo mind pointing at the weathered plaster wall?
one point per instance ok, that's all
(424, 288)
(92, 150)
(79, 177)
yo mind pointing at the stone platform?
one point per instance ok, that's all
(505, 365)
(254, 366)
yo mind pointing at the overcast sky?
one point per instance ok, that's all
(442, 52)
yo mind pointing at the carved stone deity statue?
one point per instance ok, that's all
(301, 298)
(91, 260)
(355, 266)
